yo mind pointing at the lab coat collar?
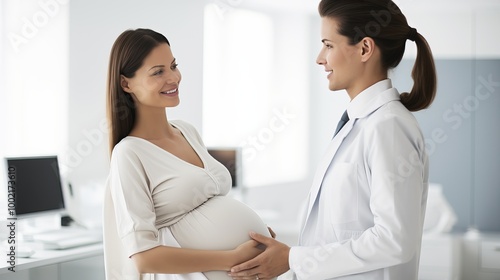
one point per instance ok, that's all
(372, 98)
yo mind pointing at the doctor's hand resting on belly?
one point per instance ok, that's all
(267, 265)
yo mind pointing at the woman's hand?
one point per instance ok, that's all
(246, 251)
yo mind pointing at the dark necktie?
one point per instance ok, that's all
(343, 120)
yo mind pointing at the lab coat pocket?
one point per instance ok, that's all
(343, 193)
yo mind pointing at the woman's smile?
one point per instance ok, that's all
(171, 92)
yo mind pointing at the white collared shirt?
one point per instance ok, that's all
(367, 201)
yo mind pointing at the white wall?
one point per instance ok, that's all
(463, 29)
(34, 80)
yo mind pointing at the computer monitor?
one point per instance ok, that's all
(230, 157)
(38, 188)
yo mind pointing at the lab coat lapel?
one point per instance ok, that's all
(325, 163)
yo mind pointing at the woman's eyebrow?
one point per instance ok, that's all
(156, 66)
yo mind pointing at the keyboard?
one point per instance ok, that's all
(24, 251)
(70, 242)
(67, 238)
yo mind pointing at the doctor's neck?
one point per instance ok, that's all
(363, 83)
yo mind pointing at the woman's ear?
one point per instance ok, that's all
(367, 48)
(124, 83)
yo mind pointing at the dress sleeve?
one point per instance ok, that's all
(133, 202)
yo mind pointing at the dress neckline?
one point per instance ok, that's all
(172, 155)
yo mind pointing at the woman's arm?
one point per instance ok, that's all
(171, 260)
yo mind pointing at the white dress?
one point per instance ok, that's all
(154, 198)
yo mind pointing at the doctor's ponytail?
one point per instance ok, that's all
(383, 21)
(424, 78)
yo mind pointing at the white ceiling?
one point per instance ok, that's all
(301, 6)
(310, 6)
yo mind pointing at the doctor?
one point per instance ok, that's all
(367, 202)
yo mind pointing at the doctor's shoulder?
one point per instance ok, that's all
(393, 119)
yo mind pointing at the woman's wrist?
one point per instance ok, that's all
(228, 258)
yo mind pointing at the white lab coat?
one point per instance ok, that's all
(367, 202)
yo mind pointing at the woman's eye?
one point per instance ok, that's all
(328, 46)
(159, 72)
(174, 66)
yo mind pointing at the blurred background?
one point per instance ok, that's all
(250, 81)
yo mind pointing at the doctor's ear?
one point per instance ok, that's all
(124, 83)
(367, 48)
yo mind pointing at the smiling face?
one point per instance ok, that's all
(156, 82)
(340, 59)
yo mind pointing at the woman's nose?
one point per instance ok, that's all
(320, 58)
(173, 77)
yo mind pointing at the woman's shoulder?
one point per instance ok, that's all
(186, 127)
(183, 125)
(127, 146)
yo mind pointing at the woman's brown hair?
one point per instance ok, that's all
(383, 21)
(127, 55)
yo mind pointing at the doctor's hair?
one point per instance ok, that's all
(383, 21)
(127, 55)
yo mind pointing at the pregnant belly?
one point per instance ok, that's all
(221, 223)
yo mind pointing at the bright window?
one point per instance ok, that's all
(34, 68)
(255, 92)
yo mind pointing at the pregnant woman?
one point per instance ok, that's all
(166, 215)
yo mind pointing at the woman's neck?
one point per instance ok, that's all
(151, 124)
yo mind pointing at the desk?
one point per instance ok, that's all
(86, 262)
(440, 257)
(481, 256)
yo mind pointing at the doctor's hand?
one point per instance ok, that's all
(271, 232)
(269, 264)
